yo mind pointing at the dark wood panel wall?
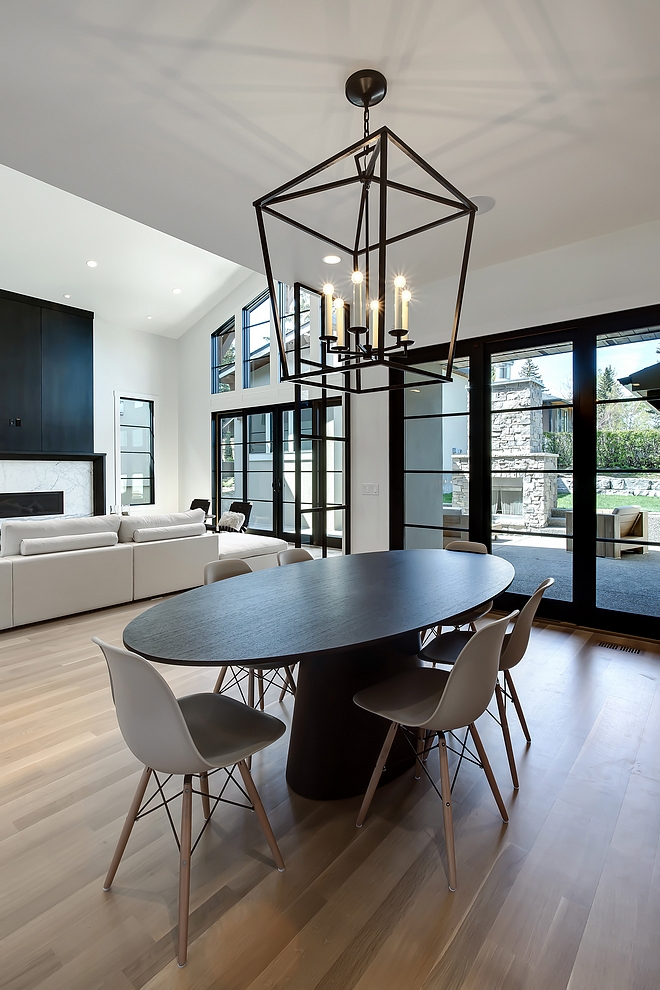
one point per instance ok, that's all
(46, 377)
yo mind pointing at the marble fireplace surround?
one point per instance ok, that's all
(80, 476)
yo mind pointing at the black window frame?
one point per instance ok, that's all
(152, 476)
(583, 334)
(247, 359)
(229, 326)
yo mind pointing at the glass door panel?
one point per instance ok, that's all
(532, 465)
(260, 470)
(628, 471)
(231, 461)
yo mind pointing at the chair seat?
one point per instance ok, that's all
(226, 731)
(446, 647)
(410, 698)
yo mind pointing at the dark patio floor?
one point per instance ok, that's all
(631, 584)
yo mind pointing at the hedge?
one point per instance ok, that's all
(637, 450)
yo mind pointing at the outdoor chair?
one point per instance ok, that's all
(436, 703)
(195, 736)
(624, 523)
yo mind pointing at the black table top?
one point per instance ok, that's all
(316, 607)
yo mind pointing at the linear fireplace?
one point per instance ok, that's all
(14, 504)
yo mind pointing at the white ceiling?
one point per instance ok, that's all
(47, 236)
(180, 114)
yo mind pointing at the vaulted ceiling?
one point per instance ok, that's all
(179, 114)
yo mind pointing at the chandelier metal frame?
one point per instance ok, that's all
(371, 154)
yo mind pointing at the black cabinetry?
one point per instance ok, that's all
(46, 377)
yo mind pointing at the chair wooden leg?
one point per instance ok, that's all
(128, 827)
(291, 680)
(221, 676)
(262, 692)
(516, 701)
(250, 703)
(260, 811)
(445, 784)
(375, 777)
(490, 776)
(204, 788)
(421, 747)
(501, 707)
(184, 868)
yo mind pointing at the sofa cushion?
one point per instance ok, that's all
(130, 523)
(57, 544)
(168, 532)
(248, 545)
(16, 530)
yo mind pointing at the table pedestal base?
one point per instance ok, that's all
(334, 744)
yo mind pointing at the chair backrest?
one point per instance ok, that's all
(516, 643)
(149, 715)
(201, 503)
(471, 683)
(628, 516)
(294, 555)
(218, 570)
(467, 546)
(245, 508)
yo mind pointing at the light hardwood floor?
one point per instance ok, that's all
(566, 896)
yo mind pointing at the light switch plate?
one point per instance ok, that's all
(369, 489)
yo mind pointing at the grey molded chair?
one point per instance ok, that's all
(445, 649)
(437, 702)
(264, 674)
(469, 616)
(294, 555)
(194, 736)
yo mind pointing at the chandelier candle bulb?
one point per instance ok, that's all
(358, 314)
(399, 286)
(374, 323)
(406, 296)
(339, 315)
(328, 292)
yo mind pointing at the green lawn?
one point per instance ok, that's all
(611, 501)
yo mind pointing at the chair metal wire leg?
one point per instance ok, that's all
(375, 777)
(501, 707)
(508, 680)
(184, 868)
(260, 811)
(490, 776)
(128, 827)
(221, 676)
(447, 810)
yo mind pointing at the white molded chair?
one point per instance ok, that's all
(294, 555)
(194, 736)
(469, 616)
(437, 702)
(445, 649)
(219, 570)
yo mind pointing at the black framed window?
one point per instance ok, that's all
(223, 358)
(287, 305)
(136, 451)
(563, 465)
(256, 342)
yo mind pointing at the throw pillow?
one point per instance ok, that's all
(231, 522)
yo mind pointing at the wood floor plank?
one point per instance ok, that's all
(566, 897)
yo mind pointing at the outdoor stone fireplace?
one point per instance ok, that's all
(523, 497)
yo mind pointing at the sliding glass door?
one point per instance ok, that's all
(561, 471)
(290, 463)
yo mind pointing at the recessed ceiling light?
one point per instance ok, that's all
(332, 259)
(67, 295)
(176, 291)
(92, 264)
(148, 317)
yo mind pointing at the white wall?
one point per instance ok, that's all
(141, 364)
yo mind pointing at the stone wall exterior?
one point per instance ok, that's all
(520, 431)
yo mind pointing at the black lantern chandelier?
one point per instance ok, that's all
(371, 327)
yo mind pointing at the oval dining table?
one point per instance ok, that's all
(349, 621)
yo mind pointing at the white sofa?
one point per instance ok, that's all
(55, 567)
